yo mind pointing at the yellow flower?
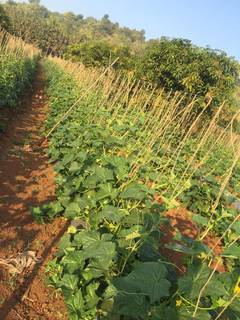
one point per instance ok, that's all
(178, 303)
(71, 230)
(237, 287)
(202, 255)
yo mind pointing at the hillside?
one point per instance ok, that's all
(54, 31)
(119, 173)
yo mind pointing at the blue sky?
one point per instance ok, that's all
(206, 22)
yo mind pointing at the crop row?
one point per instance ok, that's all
(17, 68)
(124, 156)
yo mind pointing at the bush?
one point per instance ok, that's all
(177, 65)
(99, 53)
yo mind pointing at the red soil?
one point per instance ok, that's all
(180, 219)
(26, 180)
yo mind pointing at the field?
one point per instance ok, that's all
(132, 163)
(147, 184)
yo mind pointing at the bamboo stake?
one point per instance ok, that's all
(66, 114)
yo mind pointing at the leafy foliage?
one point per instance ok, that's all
(172, 64)
(52, 31)
(4, 19)
(98, 54)
(15, 74)
(113, 269)
(17, 69)
(179, 66)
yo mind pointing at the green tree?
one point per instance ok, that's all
(4, 19)
(99, 53)
(37, 2)
(177, 65)
(28, 19)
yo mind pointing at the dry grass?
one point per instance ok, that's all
(10, 45)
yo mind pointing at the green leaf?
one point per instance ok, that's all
(149, 252)
(186, 314)
(233, 310)
(124, 233)
(117, 161)
(90, 182)
(57, 207)
(69, 281)
(86, 238)
(104, 174)
(120, 165)
(131, 305)
(73, 210)
(194, 249)
(191, 284)
(236, 227)
(121, 172)
(38, 214)
(134, 191)
(91, 297)
(65, 245)
(75, 303)
(106, 191)
(73, 261)
(148, 278)
(232, 252)
(136, 217)
(112, 214)
(164, 312)
(75, 167)
(202, 221)
(100, 249)
(67, 158)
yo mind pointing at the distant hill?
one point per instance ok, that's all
(36, 24)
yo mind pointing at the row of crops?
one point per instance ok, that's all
(17, 68)
(125, 155)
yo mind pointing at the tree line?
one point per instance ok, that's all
(175, 64)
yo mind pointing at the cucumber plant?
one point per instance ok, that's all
(113, 268)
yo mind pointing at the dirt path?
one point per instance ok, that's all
(26, 179)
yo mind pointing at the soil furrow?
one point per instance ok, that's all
(27, 180)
